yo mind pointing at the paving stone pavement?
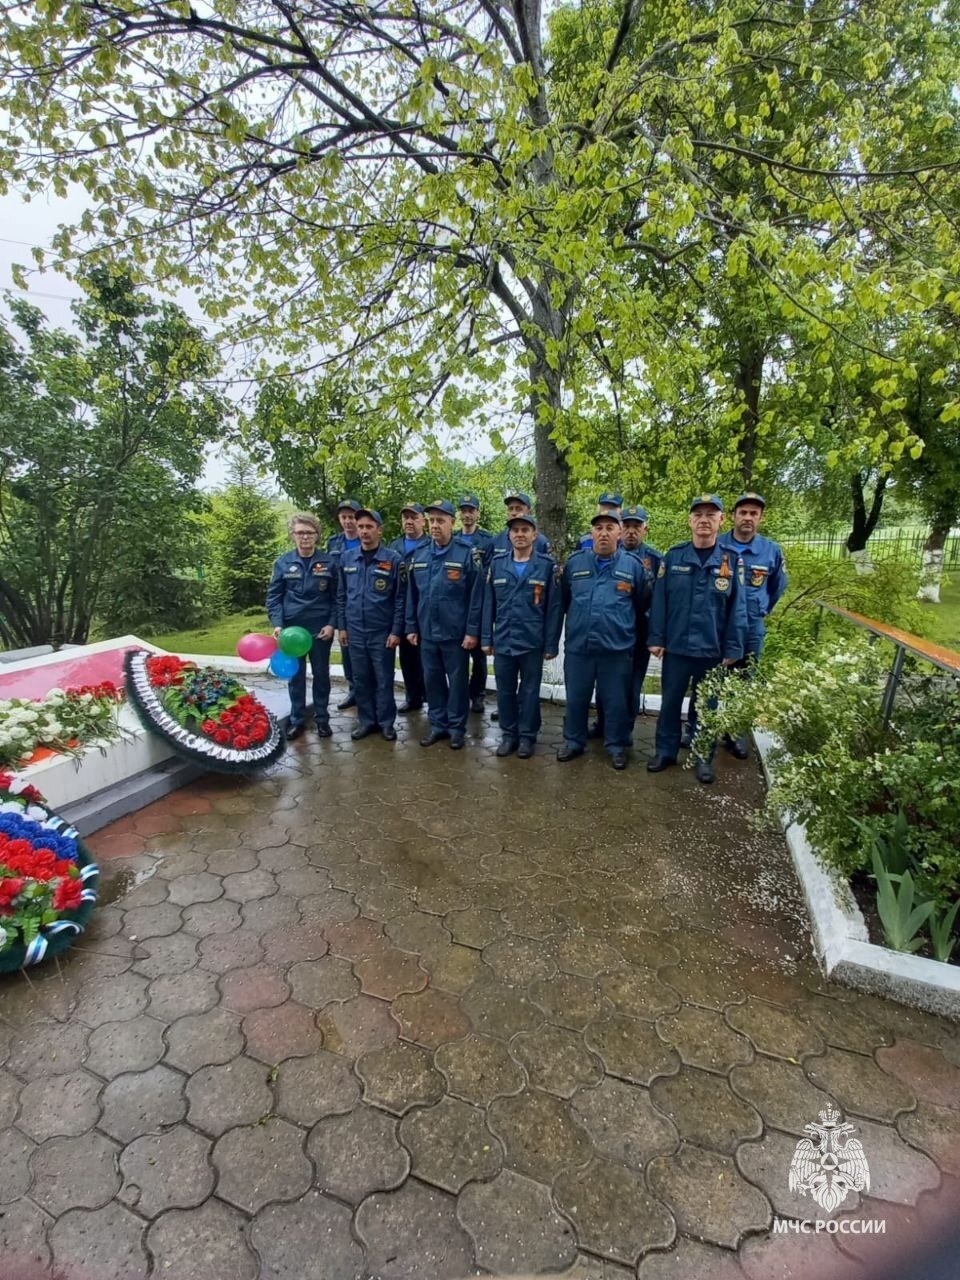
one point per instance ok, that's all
(393, 1012)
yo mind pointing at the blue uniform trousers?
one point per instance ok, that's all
(346, 661)
(373, 668)
(446, 676)
(319, 657)
(412, 668)
(610, 672)
(678, 671)
(519, 714)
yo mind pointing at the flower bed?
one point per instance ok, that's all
(66, 720)
(48, 880)
(204, 713)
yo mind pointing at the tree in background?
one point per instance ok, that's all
(102, 437)
(245, 538)
(461, 203)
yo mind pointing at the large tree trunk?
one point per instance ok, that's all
(931, 571)
(748, 380)
(552, 480)
(864, 522)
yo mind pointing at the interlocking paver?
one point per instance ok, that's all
(416, 931)
(540, 1133)
(430, 1018)
(701, 985)
(691, 1260)
(515, 1227)
(15, 1152)
(568, 1000)
(47, 1049)
(292, 943)
(780, 1092)
(142, 1102)
(358, 1153)
(389, 973)
(273, 914)
(519, 961)
(773, 1030)
(613, 1212)
(450, 1144)
(175, 954)
(479, 1068)
(765, 1163)
(10, 1088)
(355, 1026)
(209, 1239)
(260, 987)
(638, 993)
(413, 1234)
(71, 1173)
(623, 1122)
(248, 886)
(59, 1106)
(287, 1031)
(106, 1243)
(204, 919)
(706, 1110)
(703, 1039)
(169, 1170)
(496, 1009)
(935, 1130)
(180, 994)
(858, 1085)
(399, 1077)
(223, 1097)
(204, 1039)
(153, 922)
(631, 1049)
(221, 952)
(23, 1237)
(117, 1047)
(730, 1209)
(557, 1060)
(797, 1258)
(307, 1240)
(260, 1163)
(923, 1071)
(355, 939)
(844, 1025)
(317, 983)
(320, 1085)
(112, 999)
(586, 955)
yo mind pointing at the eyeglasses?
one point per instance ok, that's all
(305, 533)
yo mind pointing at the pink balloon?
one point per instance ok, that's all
(254, 647)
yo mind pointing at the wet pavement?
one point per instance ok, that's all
(395, 1012)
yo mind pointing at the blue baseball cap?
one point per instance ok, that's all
(469, 500)
(706, 500)
(750, 497)
(634, 513)
(348, 504)
(525, 519)
(606, 515)
(369, 511)
(412, 506)
(610, 500)
(441, 505)
(514, 495)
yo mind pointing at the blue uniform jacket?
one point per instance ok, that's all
(372, 595)
(336, 544)
(605, 608)
(502, 546)
(444, 593)
(649, 559)
(481, 539)
(765, 575)
(397, 546)
(699, 610)
(303, 593)
(522, 613)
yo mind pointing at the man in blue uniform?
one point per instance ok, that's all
(371, 603)
(608, 503)
(303, 593)
(444, 600)
(517, 504)
(481, 542)
(605, 597)
(635, 523)
(337, 543)
(522, 619)
(765, 576)
(698, 619)
(412, 539)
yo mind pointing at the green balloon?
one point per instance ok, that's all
(295, 640)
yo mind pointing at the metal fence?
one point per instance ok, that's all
(894, 544)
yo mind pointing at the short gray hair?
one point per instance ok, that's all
(304, 517)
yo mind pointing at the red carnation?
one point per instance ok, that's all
(67, 895)
(10, 888)
(208, 726)
(241, 742)
(221, 736)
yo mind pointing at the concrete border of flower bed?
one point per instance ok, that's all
(840, 933)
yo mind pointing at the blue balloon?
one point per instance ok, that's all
(284, 665)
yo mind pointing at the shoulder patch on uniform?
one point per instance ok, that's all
(663, 569)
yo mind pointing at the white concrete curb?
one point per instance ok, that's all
(840, 933)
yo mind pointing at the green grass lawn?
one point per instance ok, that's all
(943, 619)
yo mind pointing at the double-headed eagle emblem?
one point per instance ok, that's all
(829, 1165)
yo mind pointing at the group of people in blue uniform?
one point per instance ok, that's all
(444, 599)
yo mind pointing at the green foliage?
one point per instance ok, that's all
(101, 439)
(840, 772)
(941, 928)
(244, 535)
(901, 920)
